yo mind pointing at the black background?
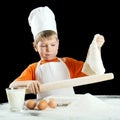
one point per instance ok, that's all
(77, 22)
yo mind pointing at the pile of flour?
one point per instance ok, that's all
(88, 103)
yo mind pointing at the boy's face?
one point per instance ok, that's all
(48, 47)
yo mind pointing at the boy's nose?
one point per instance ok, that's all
(48, 48)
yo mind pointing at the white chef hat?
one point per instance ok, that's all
(40, 19)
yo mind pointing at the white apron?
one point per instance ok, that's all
(50, 72)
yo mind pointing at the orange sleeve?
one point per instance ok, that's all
(75, 67)
(28, 73)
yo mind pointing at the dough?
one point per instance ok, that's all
(93, 63)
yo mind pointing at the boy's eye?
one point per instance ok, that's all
(53, 44)
(43, 46)
(47, 45)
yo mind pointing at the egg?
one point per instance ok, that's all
(30, 103)
(42, 104)
(52, 103)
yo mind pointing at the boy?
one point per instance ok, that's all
(50, 67)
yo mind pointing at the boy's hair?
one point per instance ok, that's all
(44, 34)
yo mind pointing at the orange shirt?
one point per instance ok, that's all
(74, 67)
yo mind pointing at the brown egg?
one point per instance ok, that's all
(52, 103)
(42, 104)
(30, 103)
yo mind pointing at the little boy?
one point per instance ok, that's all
(51, 68)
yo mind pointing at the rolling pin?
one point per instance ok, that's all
(75, 82)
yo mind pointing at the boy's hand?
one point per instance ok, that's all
(99, 40)
(33, 86)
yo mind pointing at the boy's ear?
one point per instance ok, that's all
(35, 47)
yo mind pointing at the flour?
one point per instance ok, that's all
(88, 103)
(80, 107)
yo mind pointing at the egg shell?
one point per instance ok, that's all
(52, 103)
(42, 104)
(30, 103)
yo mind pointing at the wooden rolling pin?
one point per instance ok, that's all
(75, 82)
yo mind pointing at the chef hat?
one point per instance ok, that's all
(40, 19)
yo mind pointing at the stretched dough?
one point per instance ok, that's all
(93, 63)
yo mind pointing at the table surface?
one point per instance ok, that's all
(108, 108)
